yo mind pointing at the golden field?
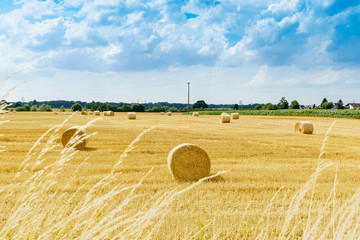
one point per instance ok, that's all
(268, 190)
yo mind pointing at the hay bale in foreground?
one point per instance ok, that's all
(109, 113)
(169, 113)
(304, 127)
(225, 118)
(188, 162)
(97, 113)
(235, 115)
(76, 137)
(132, 115)
(84, 113)
(195, 114)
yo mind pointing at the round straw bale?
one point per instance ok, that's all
(195, 114)
(188, 162)
(84, 113)
(109, 113)
(132, 115)
(97, 113)
(162, 113)
(91, 113)
(225, 118)
(78, 134)
(169, 113)
(235, 115)
(304, 127)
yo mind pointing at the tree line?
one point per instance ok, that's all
(284, 104)
(45, 106)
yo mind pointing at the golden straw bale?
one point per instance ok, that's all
(195, 114)
(162, 113)
(235, 115)
(132, 115)
(304, 127)
(91, 113)
(169, 113)
(225, 118)
(109, 113)
(188, 162)
(76, 137)
(84, 113)
(97, 113)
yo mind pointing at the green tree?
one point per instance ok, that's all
(136, 107)
(62, 109)
(45, 108)
(236, 106)
(76, 107)
(327, 105)
(294, 105)
(257, 107)
(33, 108)
(26, 107)
(283, 104)
(173, 109)
(323, 101)
(94, 106)
(200, 104)
(103, 107)
(33, 103)
(269, 106)
(339, 104)
(125, 108)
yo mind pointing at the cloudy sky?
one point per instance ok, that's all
(229, 50)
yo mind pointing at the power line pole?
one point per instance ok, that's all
(188, 98)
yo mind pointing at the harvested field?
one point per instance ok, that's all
(260, 154)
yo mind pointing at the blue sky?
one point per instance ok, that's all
(129, 50)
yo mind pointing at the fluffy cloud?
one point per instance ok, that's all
(159, 34)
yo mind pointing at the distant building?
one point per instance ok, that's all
(352, 106)
(308, 106)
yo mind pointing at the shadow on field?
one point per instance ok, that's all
(89, 149)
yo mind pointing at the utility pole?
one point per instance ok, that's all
(188, 98)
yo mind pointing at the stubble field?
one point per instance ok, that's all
(274, 185)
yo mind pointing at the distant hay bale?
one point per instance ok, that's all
(235, 115)
(132, 115)
(97, 113)
(169, 113)
(225, 118)
(55, 113)
(84, 113)
(188, 162)
(76, 137)
(109, 113)
(304, 127)
(91, 113)
(162, 113)
(195, 114)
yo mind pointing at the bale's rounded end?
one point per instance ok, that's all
(304, 127)
(131, 115)
(195, 114)
(84, 113)
(97, 113)
(235, 115)
(188, 162)
(169, 113)
(109, 113)
(75, 137)
(225, 118)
